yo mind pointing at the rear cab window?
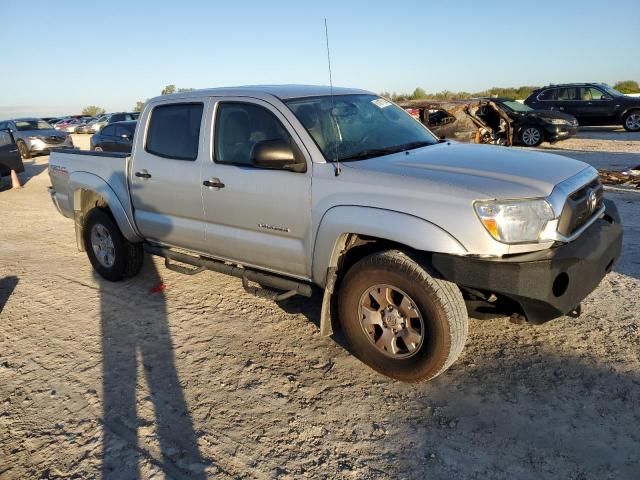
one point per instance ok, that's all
(174, 130)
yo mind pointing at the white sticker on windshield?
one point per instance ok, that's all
(381, 102)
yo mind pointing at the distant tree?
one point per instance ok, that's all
(168, 90)
(418, 93)
(139, 106)
(92, 111)
(627, 86)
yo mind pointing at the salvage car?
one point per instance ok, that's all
(497, 121)
(591, 103)
(294, 187)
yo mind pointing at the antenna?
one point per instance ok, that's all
(336, 162)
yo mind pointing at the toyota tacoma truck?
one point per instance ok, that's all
(290, 188)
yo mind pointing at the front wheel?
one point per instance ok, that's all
(111, 255)
(23, 150)
(631, 121)
(531, 136)
(399, 319)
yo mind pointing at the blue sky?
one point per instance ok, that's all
(60, 56)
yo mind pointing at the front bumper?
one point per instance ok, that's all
(545, 284)
(553, 133)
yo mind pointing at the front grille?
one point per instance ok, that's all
(55, 139)
(580, 207)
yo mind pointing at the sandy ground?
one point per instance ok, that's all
(201, 380)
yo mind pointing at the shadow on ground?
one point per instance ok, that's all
(7, 286)
(147, 340)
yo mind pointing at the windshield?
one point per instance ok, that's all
(611, 91)
(356, 127)
(23, 125)
(516, 106)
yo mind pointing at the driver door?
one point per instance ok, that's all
(255, 216)
(9, 155)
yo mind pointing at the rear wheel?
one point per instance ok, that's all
(531, 136)
(97, 149)
(400, 320)
(111, 255)
(24, 151)
(631, 121)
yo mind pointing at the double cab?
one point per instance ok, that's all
(294, 188)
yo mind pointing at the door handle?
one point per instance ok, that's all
(143, 174)
(213, 183)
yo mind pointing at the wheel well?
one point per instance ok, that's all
(90, 200)
(359, 246)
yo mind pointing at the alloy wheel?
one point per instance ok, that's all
(102, 245)
(391, 321)
(531, 136)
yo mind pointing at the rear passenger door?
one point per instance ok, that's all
(255, 216)
(165, 174)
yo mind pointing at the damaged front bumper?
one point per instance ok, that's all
(545, 284)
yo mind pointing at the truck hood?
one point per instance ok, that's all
(495, 172)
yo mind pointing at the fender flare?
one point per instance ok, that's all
(79, 181)
(339, 222)
(391, 225)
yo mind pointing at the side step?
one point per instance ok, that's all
(273, 281)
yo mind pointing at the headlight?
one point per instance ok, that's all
(558, 121)
(515, 221)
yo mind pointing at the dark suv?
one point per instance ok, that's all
(590, 103)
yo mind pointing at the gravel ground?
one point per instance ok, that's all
(201, 380)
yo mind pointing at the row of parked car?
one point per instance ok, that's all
(87, 124)
(112, 132)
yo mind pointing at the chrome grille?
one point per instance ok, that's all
(54, 139)
(580, 206)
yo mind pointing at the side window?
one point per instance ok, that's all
(5, 138)
(239, 127)
(547, 95)
(120, 130)
(174, 131)
(591, 93)
(567, 93)
(4, 125)
(109, 130)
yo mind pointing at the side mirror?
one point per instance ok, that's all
(276, 155)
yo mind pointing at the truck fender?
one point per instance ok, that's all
(339, 222)
(84, 181)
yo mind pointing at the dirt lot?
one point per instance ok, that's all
(201, 380)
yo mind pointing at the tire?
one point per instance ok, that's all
(24, 151)
(97, 149)
(531, 136)
(631, 121)
(437, 314)
(125, 257)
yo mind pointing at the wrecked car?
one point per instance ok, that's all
(496, 121)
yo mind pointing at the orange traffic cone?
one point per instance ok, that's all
(15, 181)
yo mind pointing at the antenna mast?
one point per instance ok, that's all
(336, 162)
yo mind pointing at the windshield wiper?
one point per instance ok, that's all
(378, 152)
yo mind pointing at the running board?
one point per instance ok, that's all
(289, 286)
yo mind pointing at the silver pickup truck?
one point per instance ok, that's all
(291, 187)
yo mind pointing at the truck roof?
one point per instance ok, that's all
(282, 92)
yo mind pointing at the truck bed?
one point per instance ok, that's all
(107, 168)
